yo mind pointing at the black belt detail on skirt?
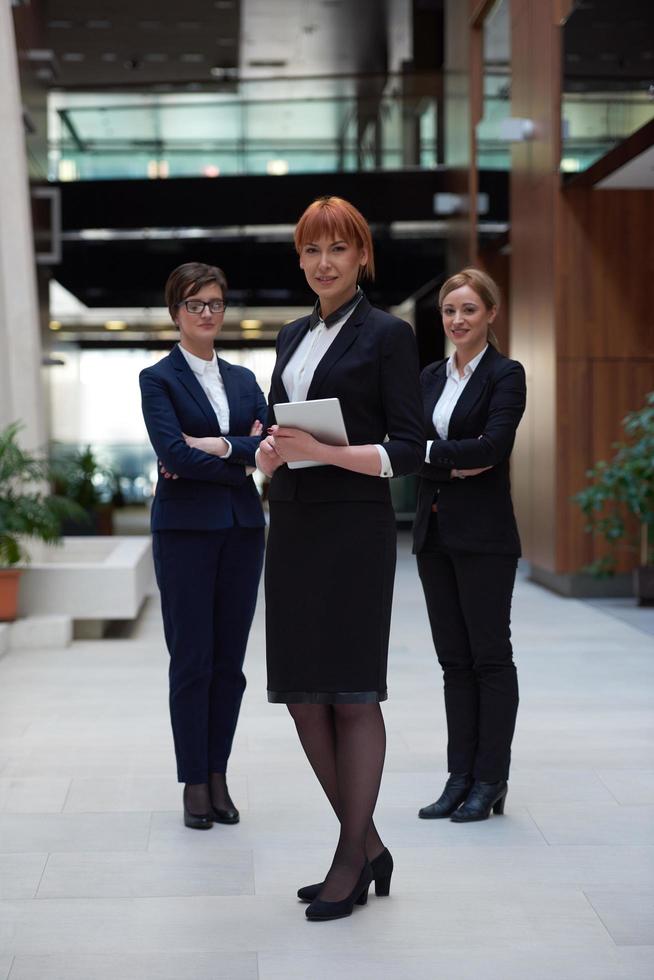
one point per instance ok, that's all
(326, 697)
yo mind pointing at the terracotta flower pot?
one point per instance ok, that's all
(9, 580)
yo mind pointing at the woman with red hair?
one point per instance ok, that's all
(330, 563)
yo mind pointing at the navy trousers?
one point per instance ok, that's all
(208, 582)
(469, 605)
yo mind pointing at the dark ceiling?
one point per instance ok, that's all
(111, 43)
(609, 46)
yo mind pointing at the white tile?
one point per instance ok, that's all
(145, 793)
(629, 786)
(141, 875)
(45, 795)
(627, 913)
(137, 966)
(422, 869)
(242, 923)
(20, 874)
(74, 832)
(537, 962)
(605, 823)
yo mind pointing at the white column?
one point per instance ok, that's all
(21, 392)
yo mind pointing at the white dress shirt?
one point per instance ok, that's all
(211, 382)
(298, 373)
(454, 387)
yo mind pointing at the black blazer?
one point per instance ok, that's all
(211, 493)
(474, 514)
(372, 367)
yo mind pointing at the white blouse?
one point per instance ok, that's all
(454, 388)
(211, 382)
(298, 373)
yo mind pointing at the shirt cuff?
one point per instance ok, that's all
(430, 443)
(386, 468)
(229, 449)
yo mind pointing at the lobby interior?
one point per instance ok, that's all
(515, 135)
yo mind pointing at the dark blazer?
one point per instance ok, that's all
(210, 493)
(372, 367)
(474, 514)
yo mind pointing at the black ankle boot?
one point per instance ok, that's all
(320, 911)
(482, 798)
(382, 869)
(456, 790)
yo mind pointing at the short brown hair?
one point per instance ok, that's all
(188, 279)
(485, 287)
(334, 216)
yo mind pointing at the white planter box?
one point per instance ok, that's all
(87, 578)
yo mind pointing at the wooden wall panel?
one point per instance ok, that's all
(535, 54)
(606, 262)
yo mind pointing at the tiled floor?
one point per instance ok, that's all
(99, 880)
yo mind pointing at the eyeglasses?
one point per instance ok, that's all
(197, 306)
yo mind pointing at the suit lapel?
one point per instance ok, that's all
(471, 393)
(432, 391)
(193, 387)
(288, 351)
(344, 340)
(230, 381)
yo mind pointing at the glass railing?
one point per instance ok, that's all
(593, 123)
(277, 127)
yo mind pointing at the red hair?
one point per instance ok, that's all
(339, 220)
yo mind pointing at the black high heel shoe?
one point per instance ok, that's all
(382, 869)
(196, 821)
(456, 790)
(320, 911)
(483, 798)
(230, 815)
(218, 790)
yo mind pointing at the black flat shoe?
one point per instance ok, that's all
(320, 911)
(482, 798)
(456, 790)
(230, 815)
(382, 869)
(198, 821)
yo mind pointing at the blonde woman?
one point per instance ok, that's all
(467, 545)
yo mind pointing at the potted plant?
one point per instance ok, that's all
(26, 510)
(81, 478)
(622, 487)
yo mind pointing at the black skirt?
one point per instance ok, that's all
(330, 569)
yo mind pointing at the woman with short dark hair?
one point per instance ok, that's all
(204, 417)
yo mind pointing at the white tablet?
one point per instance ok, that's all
(322, 417)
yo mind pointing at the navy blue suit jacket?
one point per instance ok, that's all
(372, 368)
(211, 493)
(474, 514)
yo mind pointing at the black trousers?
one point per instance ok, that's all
(469, 604)
(208, 582)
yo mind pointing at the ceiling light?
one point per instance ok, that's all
(251, 324)
(277, 168)
(211, 170)
(54, 325)
(115, 325)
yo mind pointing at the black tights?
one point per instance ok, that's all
(346, 744)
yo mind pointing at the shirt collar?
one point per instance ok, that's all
(340, 314)
(197, 364)
(450, 367)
